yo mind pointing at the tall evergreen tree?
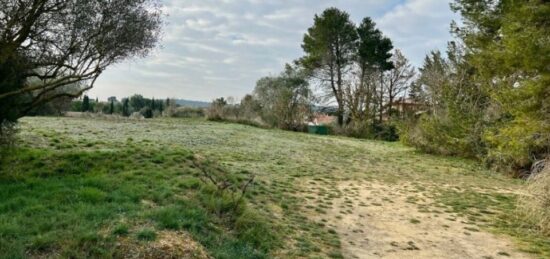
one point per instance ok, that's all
(112, 107)
(508, 46)
(330, 45)
(85, 103)
(374, 53)
(125, 107)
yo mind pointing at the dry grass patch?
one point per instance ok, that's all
(168, 244)
(535, 206)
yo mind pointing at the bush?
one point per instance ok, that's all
(387, 132)
(513, 147)
(441, 135)
(535, 207)
(7, 134)
(187, 112)
(147, 112)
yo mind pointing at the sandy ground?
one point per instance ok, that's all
(379, 221)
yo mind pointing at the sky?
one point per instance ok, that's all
(215, 48)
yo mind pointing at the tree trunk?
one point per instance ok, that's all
(381, 101)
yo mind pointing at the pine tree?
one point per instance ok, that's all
(85, 104)
(125, 107)
(330, 45)
(112, 107)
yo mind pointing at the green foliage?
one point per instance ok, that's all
(386, 131)
(284, 100)
(86, 104)
(147, 112)
(45, 50)
(137, 102)
(112, 107)
(441, 135)
(454, 124)
(125, 107)
(330, 46)
(512, 60)
(515, 145)
(331, 39)
(374, 50)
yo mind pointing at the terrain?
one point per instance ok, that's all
(81, 187)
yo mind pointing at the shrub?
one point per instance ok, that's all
(386, 131)
(7, 134)
(535, 207)
(147, 112)
(517, 144)
(188, 112)
(441, 135)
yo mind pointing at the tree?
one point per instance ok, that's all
(48, 44)
(112, 107)
(86, 104)
(216, 109)
(250, 107)
(147, 112)
(125, 107)
(371, 60)
(507, 45)
(285, 99)
(398, 79)
(330, 45)
(137, 102)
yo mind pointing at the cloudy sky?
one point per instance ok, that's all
(214, 48)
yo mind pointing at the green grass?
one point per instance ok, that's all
(65, 203)
(76, 186)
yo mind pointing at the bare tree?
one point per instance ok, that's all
(360, 93)
(399, 78)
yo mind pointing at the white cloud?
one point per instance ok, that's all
(215, 48)
(418, 26)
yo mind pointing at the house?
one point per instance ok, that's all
(406, 106)
(323, 119)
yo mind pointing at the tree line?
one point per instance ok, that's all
(487, 97)
(135, 104)
(353, 65)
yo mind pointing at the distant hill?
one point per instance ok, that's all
(192, 104)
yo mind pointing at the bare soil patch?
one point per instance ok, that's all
(377, 220)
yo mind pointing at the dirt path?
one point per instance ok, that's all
(382, 221)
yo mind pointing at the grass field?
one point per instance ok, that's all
(99, 188)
